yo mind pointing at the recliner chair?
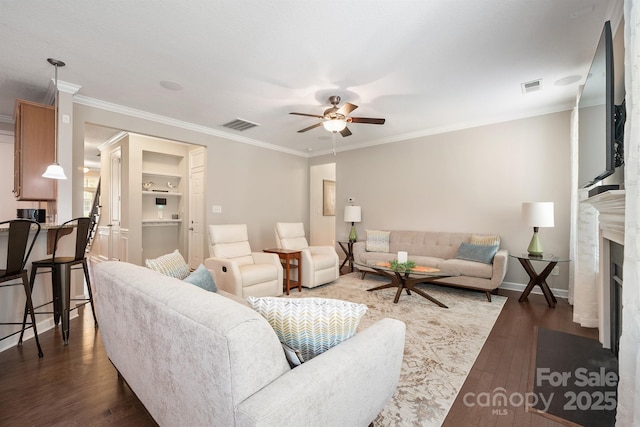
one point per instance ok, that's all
(236, 269)
(320, 264)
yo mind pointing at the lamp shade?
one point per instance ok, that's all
(334, 125)
(54, 171)
(538, 214)
(352, 214)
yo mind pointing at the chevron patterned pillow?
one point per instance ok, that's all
(172, 265)
(310, 325)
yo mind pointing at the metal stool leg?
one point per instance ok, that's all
(86, 276)
(27, 291)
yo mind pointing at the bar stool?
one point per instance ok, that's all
(60, 268)
(18, 251)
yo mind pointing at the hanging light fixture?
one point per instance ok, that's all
(54, 170)
(334, 125)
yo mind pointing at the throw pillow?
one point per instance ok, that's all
(202, 278)
(478, 253)
(172, 265)
(293, 356)
(310, 325)
(377, 241)
(485, 239)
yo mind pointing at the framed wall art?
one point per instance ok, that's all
(328, 198)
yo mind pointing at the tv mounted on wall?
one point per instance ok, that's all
(596, 122)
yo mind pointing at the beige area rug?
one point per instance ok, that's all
(441, 344)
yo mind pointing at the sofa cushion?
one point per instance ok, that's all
(202, 278)
(478, 253)
(467, 268)
(310, 325)
(172, 265)
(377, 241)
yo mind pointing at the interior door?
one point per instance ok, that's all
(197, 161)
(115, 205)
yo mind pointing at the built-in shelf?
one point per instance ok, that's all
(161, 174)
(160, 193)
(160, 222)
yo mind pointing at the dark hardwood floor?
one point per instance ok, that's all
(77, 385)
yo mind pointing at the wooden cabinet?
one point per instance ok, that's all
(34, 151)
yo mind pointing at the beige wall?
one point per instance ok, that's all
(472, 180)
(321, 229)
(253, 185)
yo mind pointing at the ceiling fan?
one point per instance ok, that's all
(335, 119)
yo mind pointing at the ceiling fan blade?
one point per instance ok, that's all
(346, 108)
(308, 115)
(310, 127)
(345, 132)
(366, 120)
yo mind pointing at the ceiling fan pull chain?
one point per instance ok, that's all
(333, 136)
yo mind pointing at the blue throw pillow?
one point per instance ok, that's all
(478, 253)
(202, 278)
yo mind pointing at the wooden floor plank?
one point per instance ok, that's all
(77, 385)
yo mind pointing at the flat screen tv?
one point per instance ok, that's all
(596, 140)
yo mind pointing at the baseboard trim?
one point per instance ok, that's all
(519, 287)
(43, 326)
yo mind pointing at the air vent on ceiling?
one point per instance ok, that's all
(532, 86)
(240, 124)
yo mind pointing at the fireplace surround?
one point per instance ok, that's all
(611, 214)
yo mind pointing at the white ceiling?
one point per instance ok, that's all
(426, 66)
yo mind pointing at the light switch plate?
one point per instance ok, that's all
(216, 209)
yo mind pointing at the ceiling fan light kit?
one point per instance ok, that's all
(334, 125)
(335, 119)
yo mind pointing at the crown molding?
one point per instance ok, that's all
(451, 128)
(68, 87)
(115, 108)
(6, 137)
(115, 138)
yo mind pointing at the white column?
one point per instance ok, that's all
(65, 150)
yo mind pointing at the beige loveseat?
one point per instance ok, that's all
(438, 249)
(200, 358)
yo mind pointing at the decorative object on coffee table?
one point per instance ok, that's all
(536, 215)
(352, 214)
(406, 276)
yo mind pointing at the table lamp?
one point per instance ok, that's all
(352, 214)
(536, 215)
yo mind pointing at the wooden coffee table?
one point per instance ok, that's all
(286, 256)
(408, 280)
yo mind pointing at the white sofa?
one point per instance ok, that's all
(438, 249)
(320, 264)
(199, 358)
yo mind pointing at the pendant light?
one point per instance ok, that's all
(54, 170)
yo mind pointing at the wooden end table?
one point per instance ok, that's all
(286, 256)
(348, 251)
(539, 279)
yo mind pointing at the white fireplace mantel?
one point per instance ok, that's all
(610, 206)
(611, 211)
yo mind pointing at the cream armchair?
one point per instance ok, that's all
(319, 263)
(236, 269)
